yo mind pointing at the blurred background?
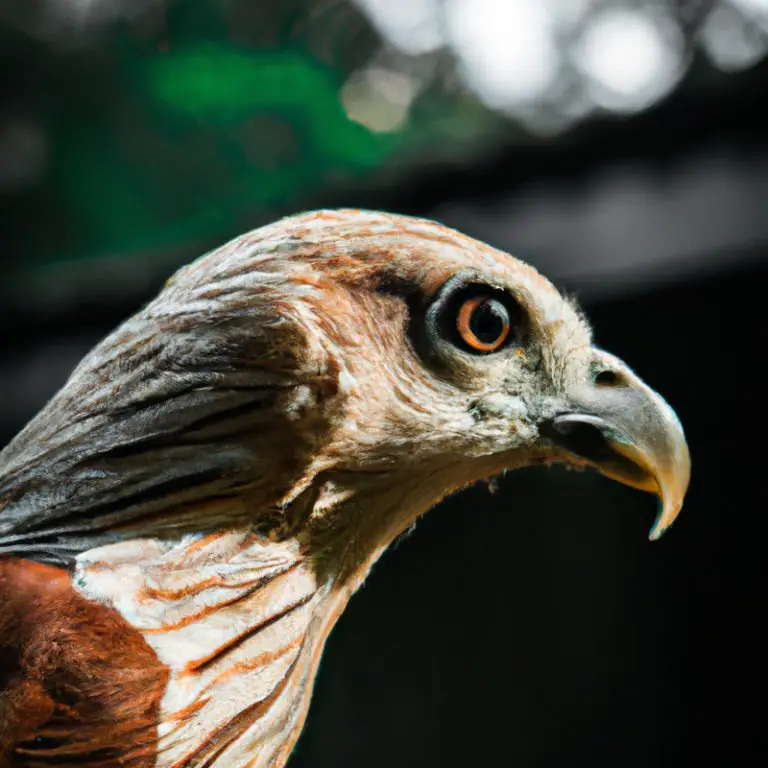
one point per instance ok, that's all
(619, 146)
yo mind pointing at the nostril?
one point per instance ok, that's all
(608, 379)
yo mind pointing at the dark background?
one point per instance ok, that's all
(533, 627)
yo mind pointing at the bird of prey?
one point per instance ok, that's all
(184, 522)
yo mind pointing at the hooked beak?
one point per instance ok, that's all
(627, 432)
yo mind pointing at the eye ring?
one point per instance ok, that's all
(483, 323)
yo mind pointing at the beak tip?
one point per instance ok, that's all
(656, 533)
(667, 515)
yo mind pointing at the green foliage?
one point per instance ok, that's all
(196, 136)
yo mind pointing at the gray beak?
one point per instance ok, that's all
(629, 433)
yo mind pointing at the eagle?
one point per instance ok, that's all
(184, 522)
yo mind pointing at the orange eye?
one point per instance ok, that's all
(483, 323)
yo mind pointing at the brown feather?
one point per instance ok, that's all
(78, 684)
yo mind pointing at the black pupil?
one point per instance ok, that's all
(489, 321)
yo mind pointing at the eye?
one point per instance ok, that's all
(483, 323)
(474, 317)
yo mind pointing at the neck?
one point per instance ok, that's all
(239, 620)
(354, 517)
